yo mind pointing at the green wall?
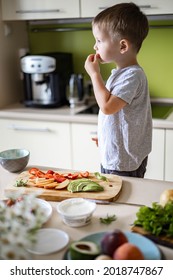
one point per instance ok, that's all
(156, 55)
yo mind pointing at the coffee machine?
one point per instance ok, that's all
(46, 77)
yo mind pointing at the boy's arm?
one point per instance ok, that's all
(107, 102)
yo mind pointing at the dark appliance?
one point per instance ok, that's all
(91, 110)
(46, 77)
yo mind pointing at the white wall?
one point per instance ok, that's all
(10, 82)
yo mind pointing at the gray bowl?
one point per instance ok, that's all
(14, 160)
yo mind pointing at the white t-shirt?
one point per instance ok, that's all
(125, 137)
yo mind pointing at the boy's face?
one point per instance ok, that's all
(105, 47)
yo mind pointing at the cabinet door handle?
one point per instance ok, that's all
(145, 6)
(37, 11)
(140, 6)
(103, 8)
(25, 128)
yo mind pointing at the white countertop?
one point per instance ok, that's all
(134, 190)
(64, 114)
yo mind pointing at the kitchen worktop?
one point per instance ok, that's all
(134, 190)
(65, 114)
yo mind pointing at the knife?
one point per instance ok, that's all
(106, 202)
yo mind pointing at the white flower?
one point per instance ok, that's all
(18, 226)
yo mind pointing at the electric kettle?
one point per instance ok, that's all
(76, 90)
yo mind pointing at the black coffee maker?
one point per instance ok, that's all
(46, 77)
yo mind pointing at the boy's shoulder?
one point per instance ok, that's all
(133, 70)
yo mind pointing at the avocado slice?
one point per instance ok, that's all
(84, 185)
(84, 250)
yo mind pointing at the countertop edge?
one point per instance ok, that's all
(64, 114)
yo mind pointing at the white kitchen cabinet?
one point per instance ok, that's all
(156, 159)
(39, 9)
(48, 142)
(90, 8)
(169, 155)
(85, 153)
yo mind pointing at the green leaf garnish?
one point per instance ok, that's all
(108, 220)
(21, 183)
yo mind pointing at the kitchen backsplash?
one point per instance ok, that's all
(156, 55)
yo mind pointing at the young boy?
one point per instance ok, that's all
(124, 121)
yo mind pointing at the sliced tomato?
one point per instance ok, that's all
(59, 178)
(33, 170)
(72, 176)
(85, 174)
(50, 172)
(40, 174)
(48, 176)
(66, 175)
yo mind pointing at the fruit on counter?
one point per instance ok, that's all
(113, 246)
(84, 250)
(84, 185)
(84, 174)
(156, 220)
(111, 241)
(128, 251)
(103, 257)
(62, 185)
(166, 196)
(74, 182)
(49, 179)
(37, 173)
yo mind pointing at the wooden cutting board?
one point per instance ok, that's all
(161, 240)
(111, 189)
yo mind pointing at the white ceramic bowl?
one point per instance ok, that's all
(76, 212)
(14, 160)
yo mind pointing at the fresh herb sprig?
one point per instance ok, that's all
(108, 220)
(157, 219)
(21, 183)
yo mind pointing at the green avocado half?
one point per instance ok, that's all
(84, 250)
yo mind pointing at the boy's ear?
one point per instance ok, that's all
(124, 46)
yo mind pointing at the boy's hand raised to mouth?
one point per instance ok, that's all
(92, 64)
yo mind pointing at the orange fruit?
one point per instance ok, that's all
(128, 251)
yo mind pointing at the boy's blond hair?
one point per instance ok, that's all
(124, 20)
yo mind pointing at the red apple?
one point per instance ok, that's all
(111, 241)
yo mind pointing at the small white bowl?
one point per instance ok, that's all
(76, 212)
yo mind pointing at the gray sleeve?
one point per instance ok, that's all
(128, 85)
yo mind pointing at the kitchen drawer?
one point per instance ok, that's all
(39, 9)
(49, 143)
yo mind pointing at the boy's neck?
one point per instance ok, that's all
(124, 64)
